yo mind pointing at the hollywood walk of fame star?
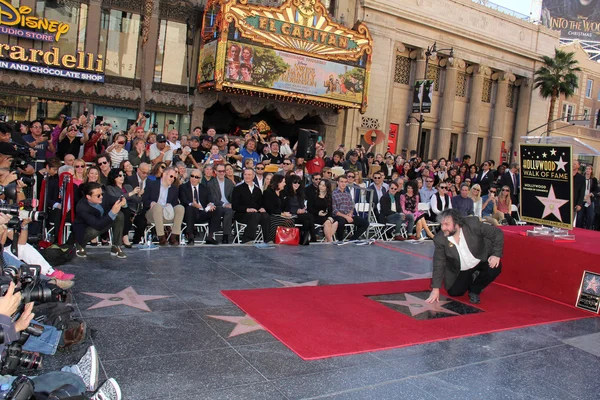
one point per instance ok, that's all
(551, 204)
(293, 284)
(553, 152)
(243, 325)
(418, 306)
(560, 164)
(126, 297)
(593, 285)
(544, 154)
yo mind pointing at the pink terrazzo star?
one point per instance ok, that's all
(126, 297)
(593, 285)
(293, 284)
(418, 306)
(243, 325)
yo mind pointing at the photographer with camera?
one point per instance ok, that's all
(73, 136)
(39, 142)
(72, 380)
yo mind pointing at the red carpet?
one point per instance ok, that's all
(326, 321)
(549, 269)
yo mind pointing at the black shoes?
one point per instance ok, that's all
(225, 239)
(211, 240)
(474, 298)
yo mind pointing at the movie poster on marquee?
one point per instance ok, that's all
(575, 19)
(546, 185)
(206, 63)
(274, 69)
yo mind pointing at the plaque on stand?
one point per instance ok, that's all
(589, 292)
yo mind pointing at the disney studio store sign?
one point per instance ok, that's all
(50, 62)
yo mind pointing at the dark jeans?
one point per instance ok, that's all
(360, 226)
(140, 223)
(465, 281)
(307, 221)
(116, 226)
(252, 220)
(195, 216)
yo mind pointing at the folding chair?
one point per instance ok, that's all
(515, 209)
(239, 231)
(426, 208)
(197, 228)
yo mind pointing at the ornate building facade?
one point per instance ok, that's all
(482, 99)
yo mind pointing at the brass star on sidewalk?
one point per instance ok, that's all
(293, 284)
(418, 306)
(243, 325)
(126, 297)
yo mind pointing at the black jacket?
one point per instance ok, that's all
(242, 198)
(272, 203)
(578, 189)
(86, 215)
(186, 194)
(386, 206)
(485, 182)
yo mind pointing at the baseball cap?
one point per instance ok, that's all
(160, 138)
(196, 138)
(7, 149)
(206, 137)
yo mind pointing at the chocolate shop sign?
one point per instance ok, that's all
(18, 22)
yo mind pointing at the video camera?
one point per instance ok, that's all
(23, 157)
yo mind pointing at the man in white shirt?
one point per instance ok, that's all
(172, 137)
(461, 258)
(161, 151)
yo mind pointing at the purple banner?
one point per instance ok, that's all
(24, 33)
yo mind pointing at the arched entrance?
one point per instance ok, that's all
(226, 119)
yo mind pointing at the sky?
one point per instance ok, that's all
(521, 6)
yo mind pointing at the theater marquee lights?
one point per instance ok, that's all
(19, 22)
(294, 52)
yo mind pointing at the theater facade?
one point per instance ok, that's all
(289, 64)
(110, 57)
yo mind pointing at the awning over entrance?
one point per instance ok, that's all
(579, 147)
(293, 53)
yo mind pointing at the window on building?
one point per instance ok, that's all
(568, 111)
(597, 119)
(452, 153)
(74, 15)
(486, 93)
(170, 65)
(461, 84)
(402, 70)
(588, 88)
(119, 34)
(586, 114)
(479, 151)
(433, 73)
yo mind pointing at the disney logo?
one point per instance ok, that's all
(10, 16)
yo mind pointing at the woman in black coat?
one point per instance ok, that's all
(273, 199)
(295, 204)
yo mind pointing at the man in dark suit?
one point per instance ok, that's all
(246, 201)
(312, 190)
(511, 179)
(198, 209)
(139, 179)
(578, 194)
(156, 199)
(220, 191)
(485, 178)
(380, 189)
(466, 256)
(96, 214)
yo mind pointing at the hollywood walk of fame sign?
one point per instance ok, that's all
(546, 184)
(589, 292)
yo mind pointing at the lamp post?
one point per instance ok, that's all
(431, 51)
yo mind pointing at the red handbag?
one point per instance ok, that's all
(289, 236)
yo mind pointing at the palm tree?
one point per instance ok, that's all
(557, 76)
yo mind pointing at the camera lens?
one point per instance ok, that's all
(30, 360)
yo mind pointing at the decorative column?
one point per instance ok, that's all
(479, 73)
(447, 115)
(497, 132)
(523, 107)
(412, 132)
